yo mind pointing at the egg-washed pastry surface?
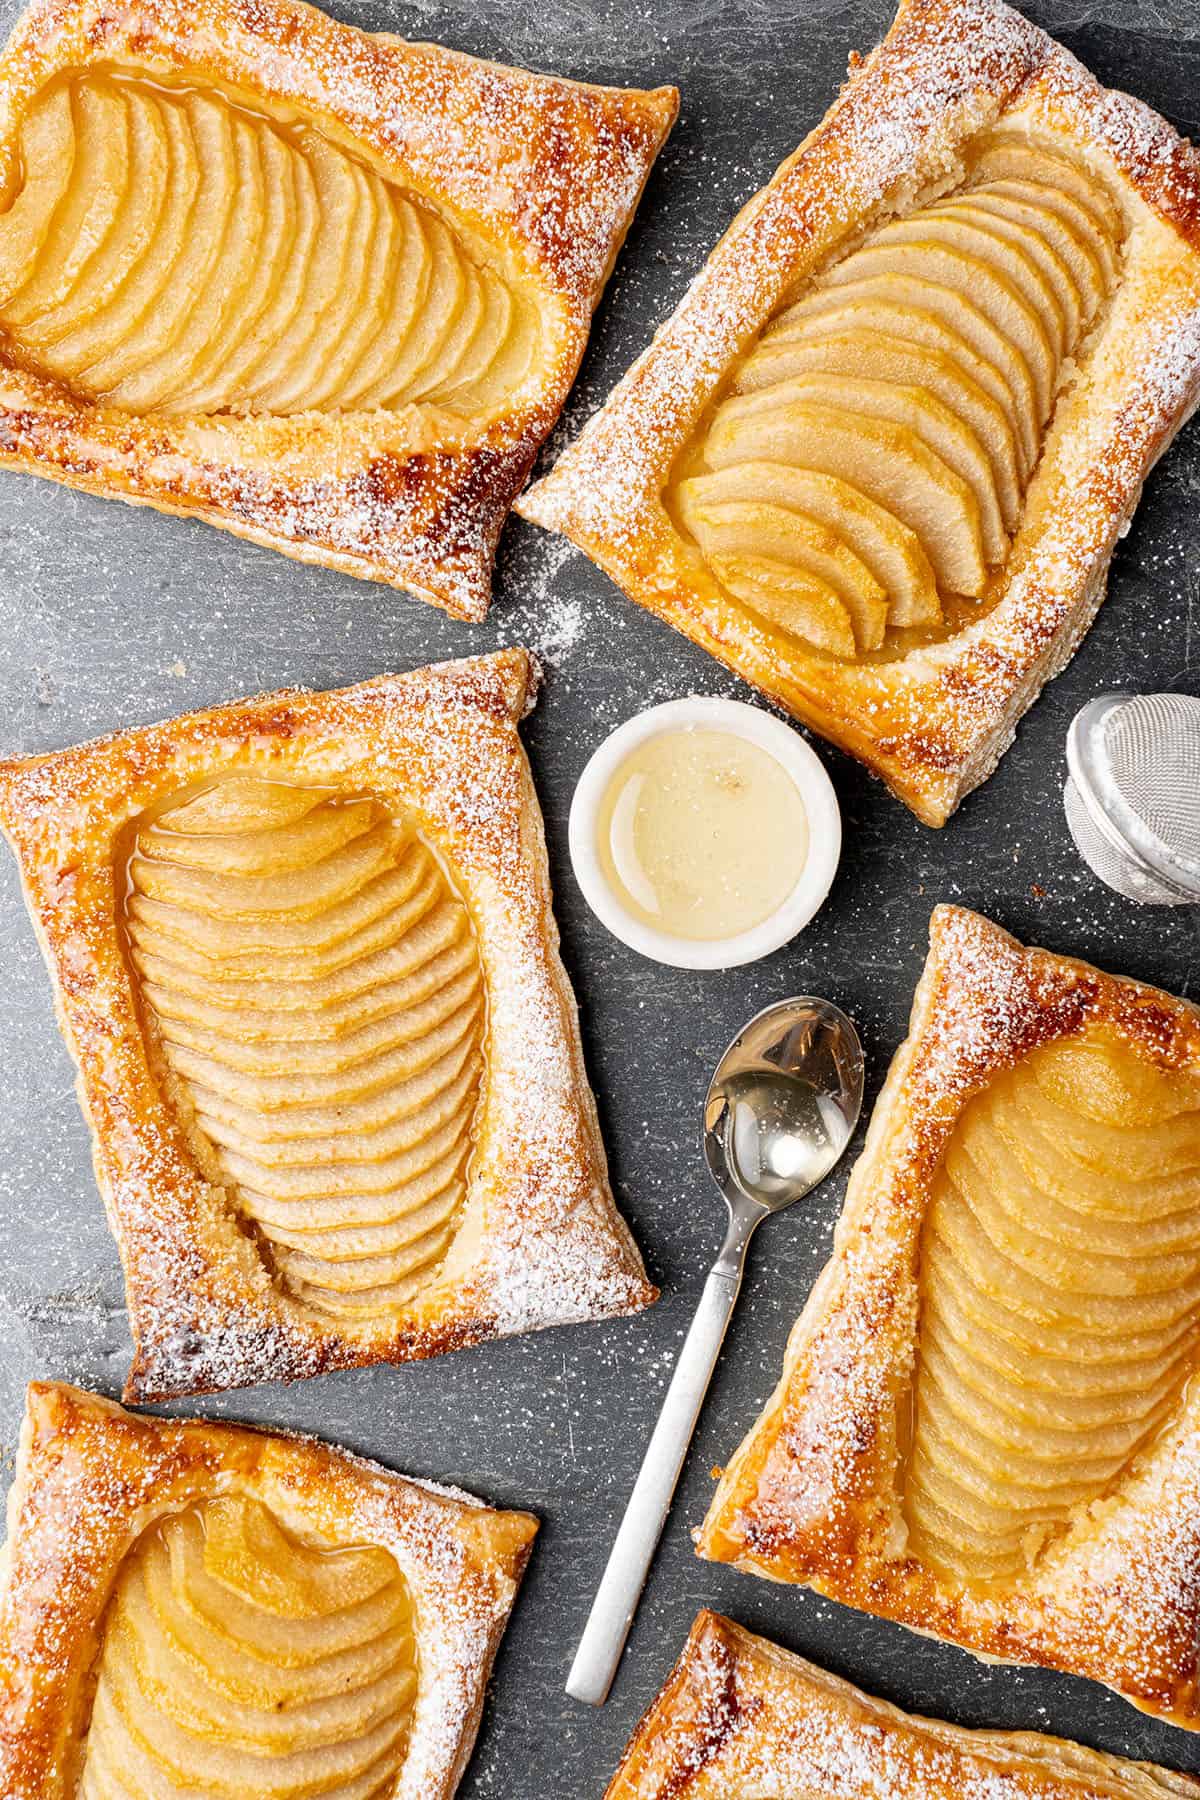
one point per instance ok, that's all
(324, 288)
(305, 959)
(196, 1607)
(878, 459)
(739, 1718)
(987, 1425)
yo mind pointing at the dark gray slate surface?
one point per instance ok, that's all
(110, 617)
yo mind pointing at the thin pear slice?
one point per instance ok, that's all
(216, 322)
(212, 220)
(1072, 216)
(890, 550)
(85, 215)
(954, 256)
(348, 319)
(433, 324)
(377, 261)
(458, 349)
(1011, 157)
(326, 277)
(403, 299)
(791, 599)
(495, 324)
(1033, 250)
(1073, 248)
(132, 232)
(915, 408)
(880, 357)
(741, 528)
(512, 359)
(444, 329)
(887, 461)
(106, 346)
(273, 338)
(216, 380)
(48, 150)
(905, 305)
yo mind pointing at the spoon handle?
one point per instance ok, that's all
(629, 1561)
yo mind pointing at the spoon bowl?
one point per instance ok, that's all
(781, 1108)
(783, 1103)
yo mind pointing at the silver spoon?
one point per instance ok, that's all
(781, 1108)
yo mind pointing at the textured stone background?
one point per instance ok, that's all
(110, 617)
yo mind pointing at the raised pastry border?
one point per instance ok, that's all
(934, 723)
(811, 1494)
(92, 1478)
(550, 170)
(542, 1242)
(740, 1716)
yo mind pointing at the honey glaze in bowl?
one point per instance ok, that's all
(704, 833)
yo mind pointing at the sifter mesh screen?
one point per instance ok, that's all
(1135, 811)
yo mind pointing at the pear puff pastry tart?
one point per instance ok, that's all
(325, 289)
(305, 960)
(197, 1607)
(988, 1425)
(741, 1719)
(878, 459)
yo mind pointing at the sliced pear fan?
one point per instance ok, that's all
(776, 537)
(167, 251)
(798, 603)
(1060, 1300)
(899, 404)
(893, 554)
(944, 252)
(237, 1657)
(314, 988)
(882, 359)
(888, 461)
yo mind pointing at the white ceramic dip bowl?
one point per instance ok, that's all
(798, 762)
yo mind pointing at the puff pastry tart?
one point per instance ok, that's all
(739, 1718)
(878, 459)
(304, 957)
(325, 289)
(987, 1425)
(197, 1607)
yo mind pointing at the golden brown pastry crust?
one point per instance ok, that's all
(542, 1242)
(935, 722)
(738, 1717)
(811, 1495)
(91, 1479)
(549, 171)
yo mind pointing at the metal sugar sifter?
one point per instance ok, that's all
(1133, 794)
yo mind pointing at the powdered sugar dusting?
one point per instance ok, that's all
(814, 1493)
(740, 1716)
(92, 1479)
(547, 1245)
(554, 622)
(935, 721)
